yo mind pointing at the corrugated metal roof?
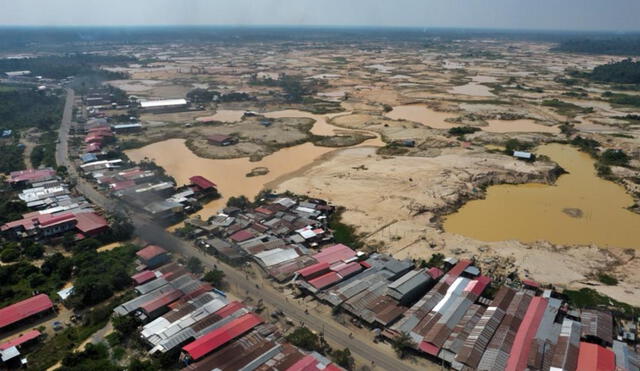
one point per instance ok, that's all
(626, 358)
(334, 254)
(313, 270)
(497, 353)
(27, 336)
(213, 340)
(526, 332)
(24, 309)
(325, 280)
(163, 103)
(593, 357)
(597, 323)
(150, 252)
(276, 256)
(565, 353)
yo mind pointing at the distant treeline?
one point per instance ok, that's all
(86, 38)
(623, 72)
(629, 45)
(58, 67)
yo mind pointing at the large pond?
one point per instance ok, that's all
(230, 174)
(422, 114)
(580, 208)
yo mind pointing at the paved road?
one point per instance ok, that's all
(153, 233)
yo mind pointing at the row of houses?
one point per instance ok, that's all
(181, 314)
(54, 209)
(143, 188)
(281, 235)
(447, 319)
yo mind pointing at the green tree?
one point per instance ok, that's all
(9, 254)
(195, 265)
(215, 277)
(402, 344)
(614, 157)
(343, 358)
(34, 251)
(303, 337)
(241, 202)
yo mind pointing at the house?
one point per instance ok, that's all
(127, 128)
(91, 224)
(221, 140)
(153, 256)
(593, 357)
(165, 105)
(201, 184)
(30, 176)
(527, 156)
(10, 349)
(21, 311)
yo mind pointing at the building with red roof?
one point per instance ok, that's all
(313, 271)
(241, 236)
(311, 363)
(153, 256)
(25, 309)
(30, 175)
(202, 184)
(143, 277)
(524, 337)
(325, 280)
(24, 338)
(334, 254)
(91, 224)
(221, 336)
(593, 357)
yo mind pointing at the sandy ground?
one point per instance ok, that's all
(391, 191)
(404, 92)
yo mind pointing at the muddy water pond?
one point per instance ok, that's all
(434, 119)
(579, 209)
(230, 174)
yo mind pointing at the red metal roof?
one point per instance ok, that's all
(325, 280)
(162, 301)
(122, 185)
(310, 363)
(151, 252)
(143, 277)
(263, 210)
(48, 219)
(478, 285)
(593, 357)
(435, 273)
(348, 269)
(24, 309)
(531, 283)
(222, 335)
(202, 182)
(456, 271)
(90, 222)
(229, 309)
(429, 348)
(313, 269)
(524, 337)
(30, 174)
(335, 253)
(27, 336)
(242, 235)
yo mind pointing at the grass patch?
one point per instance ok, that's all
(344, 233)
(590, 298)
(566, 109)
(53, 351)
(607, 279)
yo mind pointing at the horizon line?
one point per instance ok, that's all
(321, 26)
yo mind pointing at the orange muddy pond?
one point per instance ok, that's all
(437, 120)
(230, 174)
(532, 212)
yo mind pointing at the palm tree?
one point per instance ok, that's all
(402, 343)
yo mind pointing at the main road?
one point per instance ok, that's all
(153, 233)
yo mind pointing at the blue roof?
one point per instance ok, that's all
(7, 133)
(88, 157)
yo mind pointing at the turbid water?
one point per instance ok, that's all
(437, 120)
(580, 209)
(230, 174)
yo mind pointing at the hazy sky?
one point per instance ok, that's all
(617, 15)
